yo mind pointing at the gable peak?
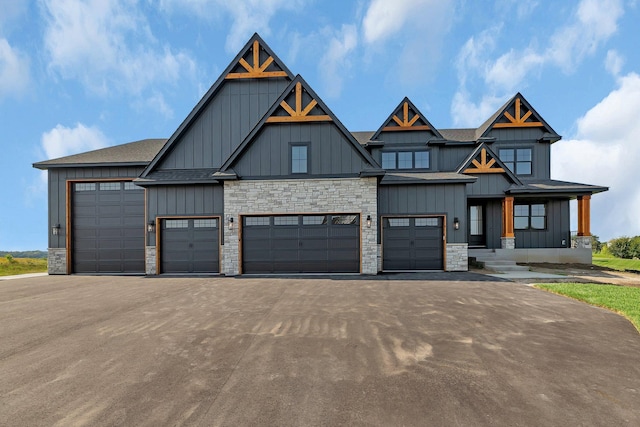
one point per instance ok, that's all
(299, 104)
(256, 60)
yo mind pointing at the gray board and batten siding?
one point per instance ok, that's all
(329, 152)
(184, 201)
(223, 123)
(427, 199)
(57, 200)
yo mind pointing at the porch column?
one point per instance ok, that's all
(508, 239)
(583, 240)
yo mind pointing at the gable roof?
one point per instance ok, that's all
(406, 117)
(137, 153)
(516, 113)
(282, 112)
(488, 163)
(275, 68)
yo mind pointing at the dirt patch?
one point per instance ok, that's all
(589, 273)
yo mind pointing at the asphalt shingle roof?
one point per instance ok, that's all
(132, 153)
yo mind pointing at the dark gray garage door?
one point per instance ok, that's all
(301, 244)
(107, 227)
(190, 245)
(412, 244)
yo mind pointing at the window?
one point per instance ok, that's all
(518, 160)
(475, 220)
(176, 223)
(388, 160)
(85, 186)
(285, 220)
(405, 160)
(256, 220)
(344, 219)
(205, 223)
(314, 220)
(421, 159)
(529, 217)
(427, 222)
(299, 159)
(398, 222)
(131, 186)
(110, 186)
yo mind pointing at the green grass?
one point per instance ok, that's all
(616, 263)
(624, 300)
(22, 266)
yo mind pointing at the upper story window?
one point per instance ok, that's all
(405, 160)
(518, 160)
(299, 158)
(529, 217)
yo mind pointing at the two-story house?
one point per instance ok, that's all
(262, 177)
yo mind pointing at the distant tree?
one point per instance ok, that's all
(620, 247)
(596, 244)
(634, 247)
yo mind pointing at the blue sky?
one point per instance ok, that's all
(78, 75)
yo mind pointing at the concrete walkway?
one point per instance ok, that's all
(23, 276)
(473, 350)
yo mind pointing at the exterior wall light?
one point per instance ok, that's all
(55, 230)
(368, 221)
(230, 223)
(456, 223)
(151, 227)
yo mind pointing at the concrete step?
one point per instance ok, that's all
(504, 265)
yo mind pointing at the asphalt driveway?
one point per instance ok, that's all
(263, 351)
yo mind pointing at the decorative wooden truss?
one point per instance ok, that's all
(405, 123)
(519, 120)
(484, 165)
(256, 70)
(299, 113)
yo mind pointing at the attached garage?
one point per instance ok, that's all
(190, 245)
(317, 243)
(107, 227)
(412, 243)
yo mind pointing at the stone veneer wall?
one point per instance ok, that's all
(57, 260)
(348, 195)
(150, 260)
(457, 257)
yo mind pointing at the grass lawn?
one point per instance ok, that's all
(616, 263)
(22, 266)
(624, 300)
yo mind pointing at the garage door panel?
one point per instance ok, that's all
(307, 244)
(107, 228)
(412, 243)
(189, 247)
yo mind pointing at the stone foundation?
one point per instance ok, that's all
(457, 257)
(508, 242)
(583, 242)
(57, 260)
(301, 196)
(150, 260)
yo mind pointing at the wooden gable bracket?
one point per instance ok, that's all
(484, 166)
(256, 70)
(405, 123)
(299, 114)
(519, 120)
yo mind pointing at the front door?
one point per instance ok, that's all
(476, 226)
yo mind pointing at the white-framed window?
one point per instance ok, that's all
(299, 158)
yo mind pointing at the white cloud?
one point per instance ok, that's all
(247, 16)
(614, 62)
(109, 45)
(593, 22)
(336, 61)
(63, 141)
(605, 152)
(14, 70)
